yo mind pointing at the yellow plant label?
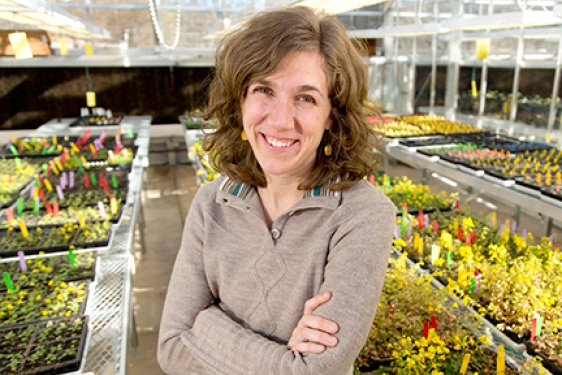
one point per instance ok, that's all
(62, 46)
(113, 206)
(465, 362)
(482, 48)
(90, 98)
(89, 49)
(48, 185)
(23, 228)
(501, 360)
(474, 89)
(81, 220)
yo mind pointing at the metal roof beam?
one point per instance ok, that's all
(186, 8)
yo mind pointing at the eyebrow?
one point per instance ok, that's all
(265, 82)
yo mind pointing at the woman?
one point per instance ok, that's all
(283, 257)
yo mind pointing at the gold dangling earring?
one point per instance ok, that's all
(243, 136)
(328, 150)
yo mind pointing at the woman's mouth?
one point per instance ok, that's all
(276, 142)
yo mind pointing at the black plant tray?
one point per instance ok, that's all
(483, 138)
(512, 335)
(4, 155)
(73, 363)
(546, 362)
(86, 120)
(91, 158)
(415, 213)
(38, 318)
(121, 176)
(468, 164)
(483, 133)
(15, 195)
(108, 142)
(551, 193)
(61, 265)
(55, 248)
(426, 141)
(501, 176)
(70, 195)
(530, 185)
(376, 365)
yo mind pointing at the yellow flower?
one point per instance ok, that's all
(50, 283)
(59, 296)
(44, 313)
(38, 298)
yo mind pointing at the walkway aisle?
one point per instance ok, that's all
(167, 196)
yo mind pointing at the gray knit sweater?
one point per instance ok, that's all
(238, 289)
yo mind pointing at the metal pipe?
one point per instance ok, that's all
(433, 64)
(518, 61)
(555, 89)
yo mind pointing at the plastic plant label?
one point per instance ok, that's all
(90, 98)
(23, 229)
(71, 258)
(8, 281)
(501, 360)
(89, 51)
(21, 258)
(465, 362)
(62, 46)
(482, 48)
(435, 250)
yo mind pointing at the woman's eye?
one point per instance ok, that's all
(263, 90)
(306, 99)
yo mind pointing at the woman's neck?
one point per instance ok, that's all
(277, 198)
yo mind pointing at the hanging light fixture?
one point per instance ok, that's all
(158, 27)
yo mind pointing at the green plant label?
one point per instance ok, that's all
(20, 205)
(8, 281)
(71, 258)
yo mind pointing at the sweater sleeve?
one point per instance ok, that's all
(188, 294)
(354, 273)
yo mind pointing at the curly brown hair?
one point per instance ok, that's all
(256, 50)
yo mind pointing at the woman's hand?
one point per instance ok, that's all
(313, 333)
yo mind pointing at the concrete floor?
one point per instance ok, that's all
(167, 196)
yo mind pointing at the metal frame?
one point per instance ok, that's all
(478, 185)
(112, 325)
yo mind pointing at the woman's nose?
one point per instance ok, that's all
(281, 113)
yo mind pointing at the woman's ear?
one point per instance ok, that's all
(329, 123)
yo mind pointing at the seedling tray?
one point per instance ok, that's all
(98, 120)
(56, 267)
(67, 361)
(35, 307)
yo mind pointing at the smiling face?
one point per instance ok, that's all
(285, 115)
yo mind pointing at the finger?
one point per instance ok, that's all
(319, 323)
(313, 303)
(318, 337)
(309, 348)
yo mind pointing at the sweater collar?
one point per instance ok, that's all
(232, 191)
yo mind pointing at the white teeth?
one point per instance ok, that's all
(276, 143)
